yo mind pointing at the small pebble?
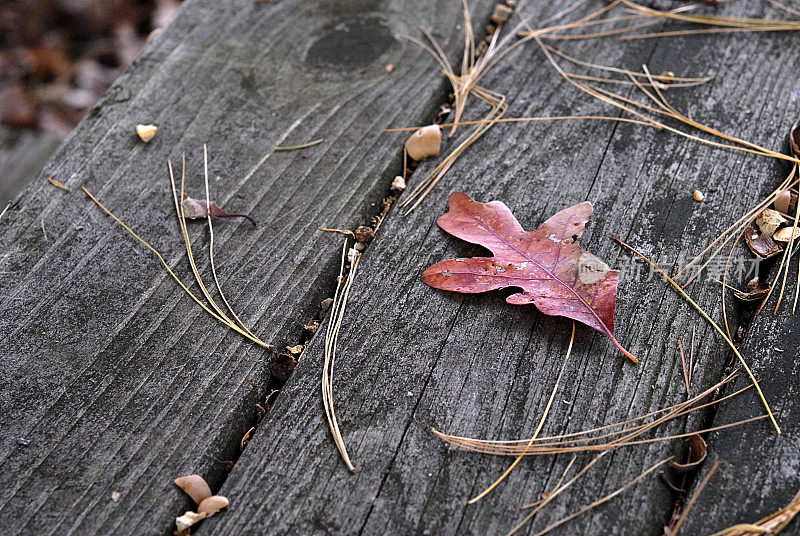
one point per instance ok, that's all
(146, 132)
(666, 77)
(399, 183)
(698, 195)
(326, 304)
(409, 394)
(23, 442)
(115, 495)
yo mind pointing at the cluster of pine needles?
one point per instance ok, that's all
(229, 319)
(635, 17)
(656, 112)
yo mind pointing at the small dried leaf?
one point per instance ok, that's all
(697, 454)
(146, 132)
(212, 505)
(761, 245)
(196, 208)
(195, 487)
(424, 142)
(786, 234)
(769, 220)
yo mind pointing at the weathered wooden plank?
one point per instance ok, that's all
(22, 156)
(758, 470)
(113, 380)
(410, 357)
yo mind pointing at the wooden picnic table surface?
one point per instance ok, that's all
(116, 382)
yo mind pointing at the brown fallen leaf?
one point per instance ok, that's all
(196, 208)
(697, 454)
(755, 291)
(554, 273)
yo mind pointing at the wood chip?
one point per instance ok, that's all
(786, 234)
(769, 220)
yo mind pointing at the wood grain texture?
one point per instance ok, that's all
(759, 471)
(113, 380)
(411, 357)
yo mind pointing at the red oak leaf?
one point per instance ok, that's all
(554, 273)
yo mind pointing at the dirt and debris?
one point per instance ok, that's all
(57, 184)
(58, 57)
(364, 233)
(283, 366)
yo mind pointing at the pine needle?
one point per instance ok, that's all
(303, 146)
(589, 441)
(215, 312)
(599, 501)
(331, 339)
(538, 428)
(3, 213)
(179, 211)
(714, 325)
(677, 526)
(771, 525)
